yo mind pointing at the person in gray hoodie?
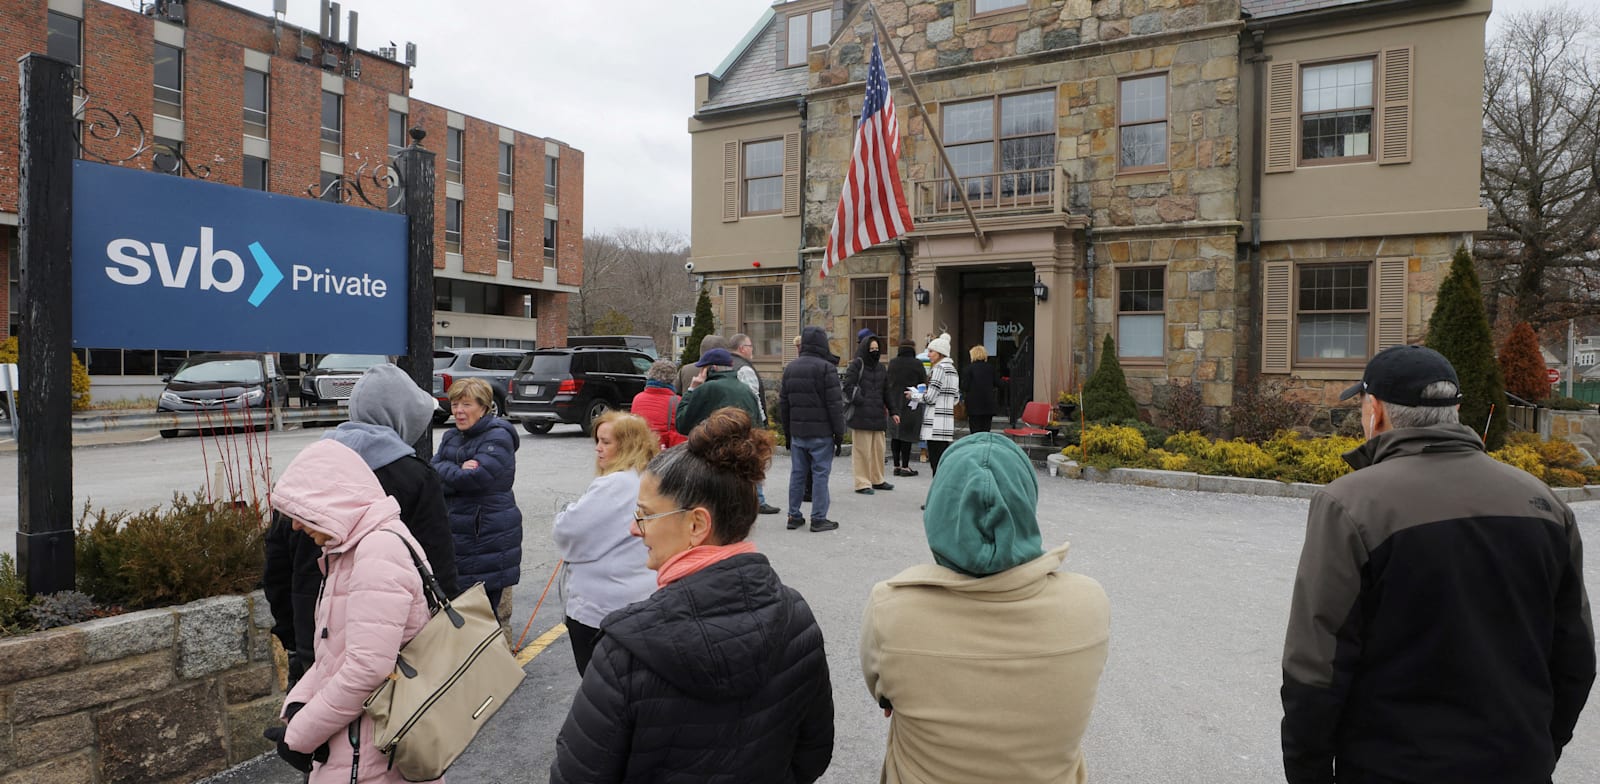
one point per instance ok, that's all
(389, 413)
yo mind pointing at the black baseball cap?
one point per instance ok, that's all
(1398, 375)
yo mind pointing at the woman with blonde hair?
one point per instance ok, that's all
(979, 385)
(477, 462)
(605, 563)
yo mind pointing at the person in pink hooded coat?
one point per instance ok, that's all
(372, 603)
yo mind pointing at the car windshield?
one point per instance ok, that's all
(549, 364)
(350, 362)
(442, 359)
(246, 371)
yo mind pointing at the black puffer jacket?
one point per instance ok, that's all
(978, 387)
(718, 677)
(905, 370)
(810, 399)
(867, 385)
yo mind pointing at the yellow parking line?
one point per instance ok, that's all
(537, 646)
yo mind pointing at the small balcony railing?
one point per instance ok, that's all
(1021, 190)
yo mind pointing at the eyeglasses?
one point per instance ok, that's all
(639, 519)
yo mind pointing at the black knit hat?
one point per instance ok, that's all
(1399, 374)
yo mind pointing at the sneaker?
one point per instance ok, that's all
(898, 471)
(796, 522)
(823, 524)
(910, 472)
(769, 509)
(883, 486)
(866, 490)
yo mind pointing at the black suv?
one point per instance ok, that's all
(574, 385)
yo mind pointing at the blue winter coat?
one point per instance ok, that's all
(484, 518)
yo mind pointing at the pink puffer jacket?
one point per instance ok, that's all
(371, 604)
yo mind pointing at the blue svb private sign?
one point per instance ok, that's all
(163, 262)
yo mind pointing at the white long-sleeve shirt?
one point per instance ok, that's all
(606, 561)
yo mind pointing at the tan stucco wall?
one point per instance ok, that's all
(771, 240)
(1438, 190)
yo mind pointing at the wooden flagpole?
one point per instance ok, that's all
(950, 170)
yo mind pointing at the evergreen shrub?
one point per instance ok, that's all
(1105, 395)
(1522, 364)
(1459, 329)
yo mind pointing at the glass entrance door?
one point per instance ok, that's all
(997, 313)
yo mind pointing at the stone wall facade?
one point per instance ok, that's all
(166, 695)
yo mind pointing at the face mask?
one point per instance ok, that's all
(874, 354)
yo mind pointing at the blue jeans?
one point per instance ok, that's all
(813, 456)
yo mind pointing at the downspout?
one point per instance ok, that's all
(1253, 346)
(800, 253)
(1089, 266)
(905, 285)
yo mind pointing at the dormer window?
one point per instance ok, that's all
(806, 32)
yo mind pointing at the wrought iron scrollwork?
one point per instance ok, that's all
(384, 178)
(108, 127)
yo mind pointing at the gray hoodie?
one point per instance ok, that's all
(388, 414)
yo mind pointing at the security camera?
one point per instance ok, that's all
(688, 266)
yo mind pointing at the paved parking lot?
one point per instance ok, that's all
(1199, 586)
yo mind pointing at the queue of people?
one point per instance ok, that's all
(1439, 602)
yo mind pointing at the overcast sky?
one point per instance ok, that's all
(614, 79)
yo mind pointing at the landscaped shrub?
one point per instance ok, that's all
(1459, 329)
(1105, 395)
(1261, 409)
(64, 608)
(1560, 403)
(1522, 456)
(1179, 407)
(1123, 443)
(1316, 460)
(1522, 364)
(9, 352)
(192, 550)
(1169, 461)
(1241, 458)
(1560, 453)
(1152, 433)
(1188, 443)
(1563, 477)
(13, 595)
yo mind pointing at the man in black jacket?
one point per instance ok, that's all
(1439, 630)
(389, 413)
(811, 411)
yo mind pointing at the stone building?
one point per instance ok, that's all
(264, 104)
(1228, 188)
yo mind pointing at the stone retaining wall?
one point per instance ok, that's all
(166, 695)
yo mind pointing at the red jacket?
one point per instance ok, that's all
(658, 406)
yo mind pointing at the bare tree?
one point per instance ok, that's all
(1541, 158)
(634, 274)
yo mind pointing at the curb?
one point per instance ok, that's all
(1267, 488)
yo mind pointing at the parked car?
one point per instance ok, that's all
(642, 343)
(574, 385)
(221, 384)
(328, 381)
(494, 365)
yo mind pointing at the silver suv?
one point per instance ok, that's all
(494, 365)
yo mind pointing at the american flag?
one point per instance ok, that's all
(872, 208)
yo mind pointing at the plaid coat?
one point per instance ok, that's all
(944, 391)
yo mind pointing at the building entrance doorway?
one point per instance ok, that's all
(997, 313)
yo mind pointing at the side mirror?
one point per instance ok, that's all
(166, 379)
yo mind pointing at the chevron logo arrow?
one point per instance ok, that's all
(271, 276)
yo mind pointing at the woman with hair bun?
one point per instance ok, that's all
(720, 674)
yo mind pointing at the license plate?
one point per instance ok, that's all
(533, 391)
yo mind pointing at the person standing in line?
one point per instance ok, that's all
(717, 386)
(687, 373)
(478, 462)
(721, 674)
(905, 372)
(744, 353)
(604, 561)
(370, 605)
(987, 661)
(658, 403)
(939, 400)
(866, 384)
(811, 411)
(1439, 629)
(979, 385)
(389, 414)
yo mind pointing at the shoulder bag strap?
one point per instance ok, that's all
(672, 413)
(430, 587)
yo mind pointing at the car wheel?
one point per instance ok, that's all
(537, 428)
(596, 408)
(497, 407)
(169, 433)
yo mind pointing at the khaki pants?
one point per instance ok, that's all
(866, 457)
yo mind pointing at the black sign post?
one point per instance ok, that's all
(416, 203)
(44, 426)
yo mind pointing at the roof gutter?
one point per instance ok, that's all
(785, 102)
(1336, 13)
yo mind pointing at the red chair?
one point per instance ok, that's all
(1036, 421)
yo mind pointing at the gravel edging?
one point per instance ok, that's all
(1060, 466)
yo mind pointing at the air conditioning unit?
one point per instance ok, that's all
(173, 11)
(354, 69)
(305, 54)
(330, 61)
(386, 52)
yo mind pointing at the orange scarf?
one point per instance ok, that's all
(696, 558)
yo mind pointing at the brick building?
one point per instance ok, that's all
(1231, 188)
(268, 105)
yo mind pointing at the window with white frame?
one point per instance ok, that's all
(763, 177)
(452, 225)
(1141, 312)
(169, 81)
(1333, 313)
(332, 123)
(456, 140)
(255, 103)
(805, 32)
(1142, 124)
(1336, 111)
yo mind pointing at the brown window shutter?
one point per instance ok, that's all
(1392, 274)
(730, 311)
(1283, 86)
(730, 181)
(1277, 316)
(1394, 106)
(791, 320)
(791, 175)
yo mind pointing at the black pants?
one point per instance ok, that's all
(901, 452)
(494, 599)
(583, 639)
(980, 423)
(935, 451)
